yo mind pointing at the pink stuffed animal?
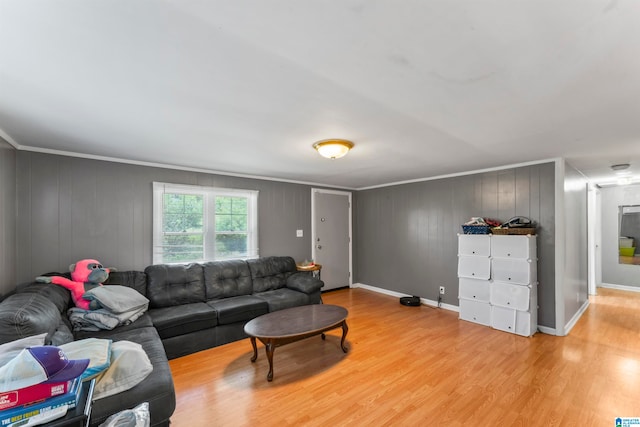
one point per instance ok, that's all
(85, 275)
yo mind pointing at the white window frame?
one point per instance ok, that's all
(209, 194)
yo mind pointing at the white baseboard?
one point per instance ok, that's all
(619, 287)
(424, 301)
(575, 318)
(431, 303)
(547, 330)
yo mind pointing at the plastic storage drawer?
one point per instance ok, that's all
(474, 289)
(507, 295)
(475, 311)
(474, 245)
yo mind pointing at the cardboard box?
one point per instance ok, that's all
(34, 393)
(21, 413)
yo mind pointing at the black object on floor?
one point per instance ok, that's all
(410, 301)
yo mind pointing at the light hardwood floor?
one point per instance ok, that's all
(412, 366)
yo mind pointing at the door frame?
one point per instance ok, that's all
(313, 225)
(594, 237)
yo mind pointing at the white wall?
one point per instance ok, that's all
(575, 291)
(614, 273)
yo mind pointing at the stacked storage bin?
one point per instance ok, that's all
(506, 267)
(474, 272)
(514, 290)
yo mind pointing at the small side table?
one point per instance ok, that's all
(315, 269)
(78, 416)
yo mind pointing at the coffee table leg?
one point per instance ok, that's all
(255, 349)
(269, 348)
(345, 329)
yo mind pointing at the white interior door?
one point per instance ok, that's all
(331, 236)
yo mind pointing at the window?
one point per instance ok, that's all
(194, 224)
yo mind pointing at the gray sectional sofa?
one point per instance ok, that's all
(191, 308)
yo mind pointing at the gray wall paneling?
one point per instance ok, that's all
(543, 211)
(72, 208)
(406, 235)
(7, 217)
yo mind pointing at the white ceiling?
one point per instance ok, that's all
(423, 87)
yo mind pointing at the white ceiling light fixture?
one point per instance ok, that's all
(620, 166)
(333, 148)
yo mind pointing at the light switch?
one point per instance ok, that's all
(299, 233)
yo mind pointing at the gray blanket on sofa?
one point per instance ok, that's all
(120, 305)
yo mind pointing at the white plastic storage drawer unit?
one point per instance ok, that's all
(474, 244)
(475, 311)
(513, 247)
(474, 271)
(474, 289)
(507, 295)
(474, 267)
(521, 271)
(518, 322)
(497, 281)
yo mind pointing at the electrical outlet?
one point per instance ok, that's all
(441, 290)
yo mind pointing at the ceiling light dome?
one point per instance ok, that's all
(620, 166)
(333, 148)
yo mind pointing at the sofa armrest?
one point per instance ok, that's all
(25, 314)
(304, 282)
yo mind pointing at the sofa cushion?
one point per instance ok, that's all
(131, 279)
(224, 279)
(183, 319)
(182, 345)
(304, 282)
(169, 284)
(26, 314)
(271, 272)
(238, 309)
(283, 298)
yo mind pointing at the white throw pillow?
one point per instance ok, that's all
(11, 349)
(129, 366)
(97, 350)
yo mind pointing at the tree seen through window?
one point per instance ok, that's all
(231, 226)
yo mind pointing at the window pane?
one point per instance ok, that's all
(223, 205)
(183, 213)
(239, 206)
(231, 214)
(230, 223)
(174, 203)
(183, 236)
(239, 223)
(182, 247)
(231, 245)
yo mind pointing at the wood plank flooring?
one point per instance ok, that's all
(411, 366)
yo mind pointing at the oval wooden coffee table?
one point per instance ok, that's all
(293, 324)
